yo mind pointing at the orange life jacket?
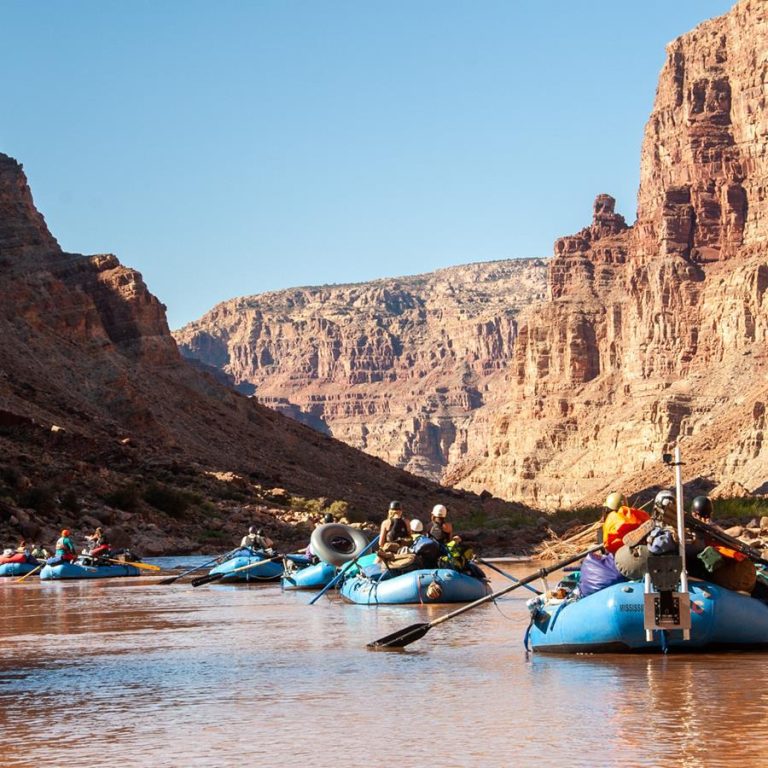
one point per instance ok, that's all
(732, 553)
(620, 523)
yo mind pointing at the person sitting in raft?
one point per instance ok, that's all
(19, 555)
(459, 554)
(439, 529)
(708, 559)
(24, 549)
(40, 553)
(394, 533)
(426, 549)
(620, 519)
(65, 547)
(256, 539)
(97, 544)
(599, 570)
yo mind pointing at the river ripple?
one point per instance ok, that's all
(136, 674)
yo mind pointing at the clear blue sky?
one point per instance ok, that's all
(229, 148)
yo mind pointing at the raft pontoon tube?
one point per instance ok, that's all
(309, 576)
(79, 570)
(421, 586)
(612, 621)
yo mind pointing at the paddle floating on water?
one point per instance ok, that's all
(415, 632)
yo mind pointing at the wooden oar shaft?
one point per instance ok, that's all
(508, 576)
(724, 539)
(219, 559)
(273, 559)
(413, 633)
(527, 580)
(145, 566)
(224, 574)
(34, 570)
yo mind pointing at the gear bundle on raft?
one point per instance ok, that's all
(637, 597)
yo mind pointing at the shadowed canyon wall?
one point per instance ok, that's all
(94, 394)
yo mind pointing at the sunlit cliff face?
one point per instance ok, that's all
(643, 335)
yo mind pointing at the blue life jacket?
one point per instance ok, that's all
(427, 549)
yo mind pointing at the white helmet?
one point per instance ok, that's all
(417, 526)
(664, 499)
(439, 510)
(613, 502)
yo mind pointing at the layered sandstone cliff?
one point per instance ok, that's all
(398, 368)
(649, 334)
(656, 333)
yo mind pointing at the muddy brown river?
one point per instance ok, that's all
(129, 673)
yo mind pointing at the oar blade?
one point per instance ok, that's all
(401, 638)
(198, 582)
(140, 566)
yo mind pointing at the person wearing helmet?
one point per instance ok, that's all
(709, 559)
(394, 532)
(256, 539)
(439, 529)
(613, 501)
(426, 549)
(65, 547)
(619, 520)
(665, 507)
(701, 508)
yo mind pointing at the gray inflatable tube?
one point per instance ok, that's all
(337, 544)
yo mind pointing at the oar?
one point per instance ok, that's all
(724, 539)
(216, 576)
(145, 566)
(415, 632)
(219, 559)
(508, 576)
(34, 570)
(335, 580)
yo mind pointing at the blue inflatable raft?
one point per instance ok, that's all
(612, 621)
(78, 570)
(422, 586)
(17, 569)
(308, 576)
(237, 567)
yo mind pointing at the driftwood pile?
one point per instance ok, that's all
(558, 549)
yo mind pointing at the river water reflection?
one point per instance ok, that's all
(132, 673)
